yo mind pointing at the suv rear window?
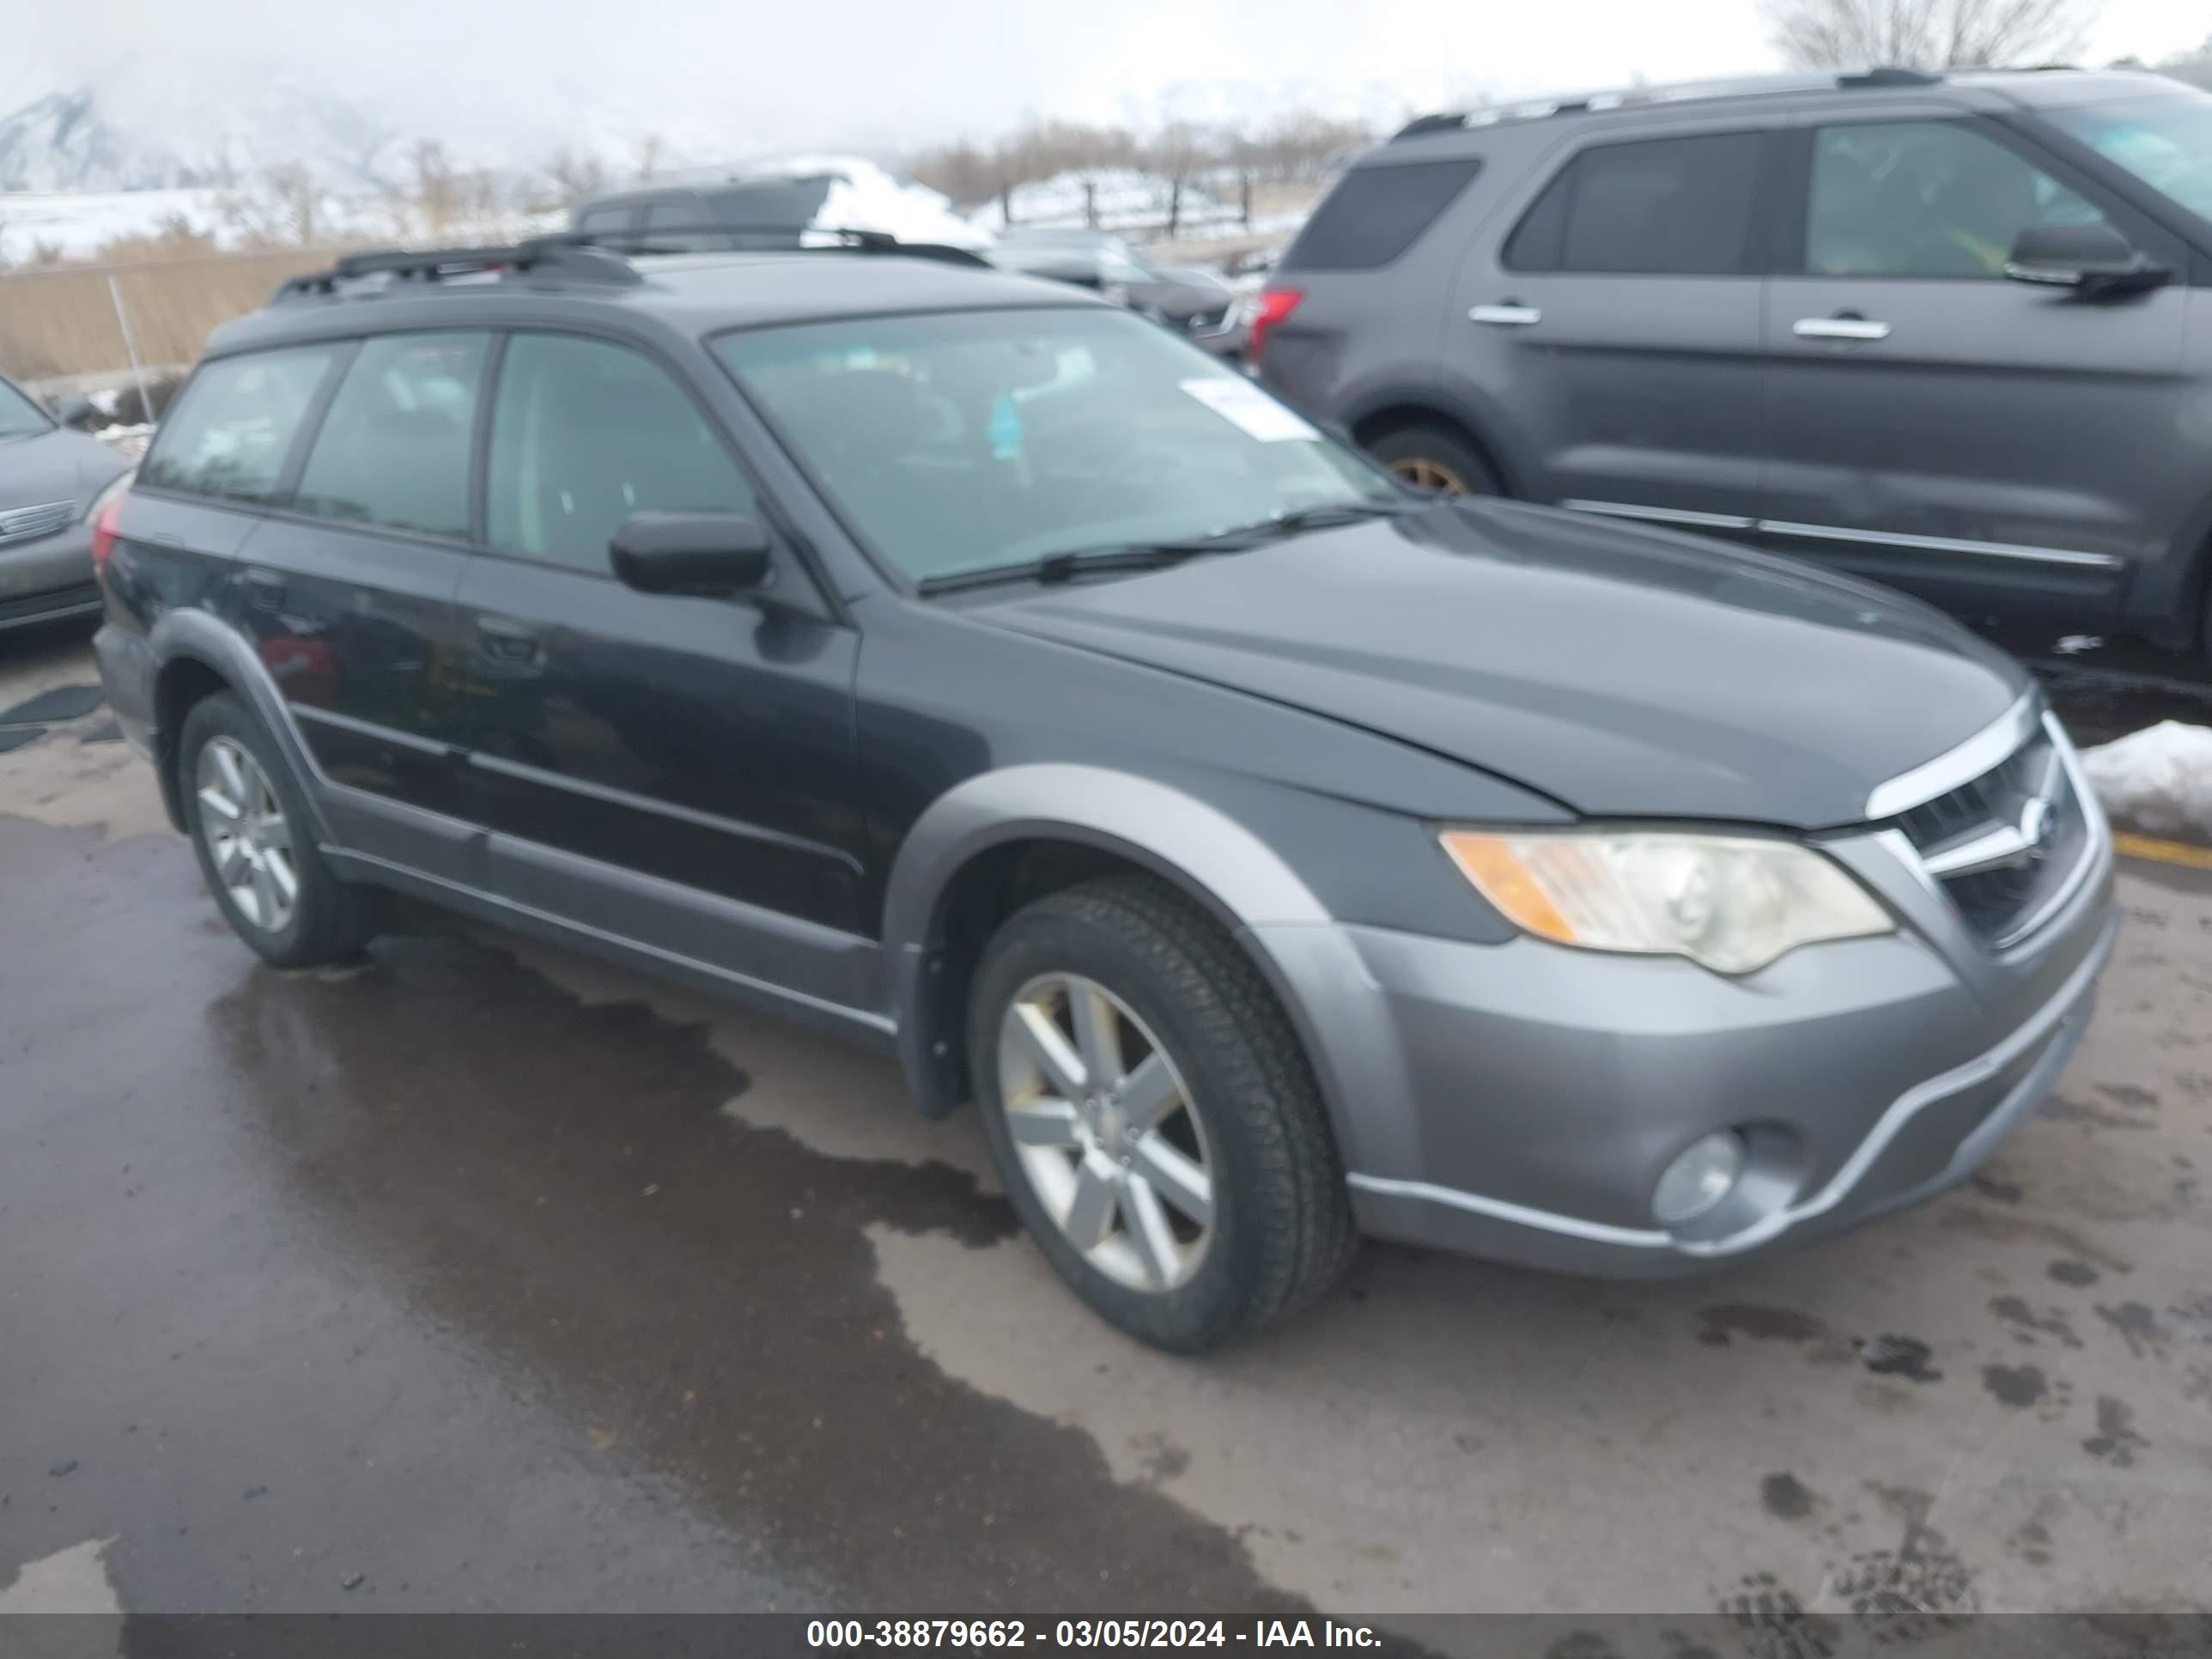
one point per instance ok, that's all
(1665, 207)
(232, 429)
(1375, 213)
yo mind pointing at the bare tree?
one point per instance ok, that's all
(299, 202)
(648, 156)
(575, 176)
(1928, 35)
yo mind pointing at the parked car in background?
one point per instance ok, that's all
(53, 479)
(1951, 332)
(1194, 302)
(955, 661)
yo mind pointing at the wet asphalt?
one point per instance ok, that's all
(483, 1277)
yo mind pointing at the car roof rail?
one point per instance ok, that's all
(598, 257)
(539, 255)
(789, 239)
(1645, 97)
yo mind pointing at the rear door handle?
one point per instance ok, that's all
(1839, 328)
(1505, 314)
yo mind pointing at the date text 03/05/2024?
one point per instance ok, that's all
(977, 1633)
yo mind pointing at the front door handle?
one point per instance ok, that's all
(1508, 313)
(1846, 326)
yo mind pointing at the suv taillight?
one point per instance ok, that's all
(103, 532)
(1275, 304)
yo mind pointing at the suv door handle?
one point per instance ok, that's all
(1508, 313)
(1845, 325)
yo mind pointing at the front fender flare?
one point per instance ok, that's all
(1211, 857)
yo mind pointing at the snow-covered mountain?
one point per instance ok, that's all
(133, 128)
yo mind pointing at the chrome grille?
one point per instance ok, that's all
(2004, 845)
(20, 524)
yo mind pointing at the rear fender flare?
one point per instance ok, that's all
(200, 637)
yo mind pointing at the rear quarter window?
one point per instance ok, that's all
(1376, 213)
(233, 428)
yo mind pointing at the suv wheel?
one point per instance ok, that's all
(1436, 457)
(249, 826)
(1153, 1117)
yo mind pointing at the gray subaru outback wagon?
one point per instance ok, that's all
(1953, 333)
(960, 662)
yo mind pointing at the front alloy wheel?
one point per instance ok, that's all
(249, 839)
(1106, 1131)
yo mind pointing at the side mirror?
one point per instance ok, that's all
(76, 412)
(2094, 260)
(705, 553)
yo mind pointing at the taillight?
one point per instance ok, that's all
(1275, 304)
(103, 533)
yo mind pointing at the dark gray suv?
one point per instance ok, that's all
(1943, 333)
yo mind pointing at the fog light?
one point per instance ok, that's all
(1698, 1179)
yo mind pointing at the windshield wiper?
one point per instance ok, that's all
(1076, 562)
(1152, 555)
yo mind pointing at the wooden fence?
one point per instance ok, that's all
(64, 321)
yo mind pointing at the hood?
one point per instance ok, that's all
(59, 466)
(1624, 672)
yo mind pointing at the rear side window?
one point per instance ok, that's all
(233, 428)
(1666, 207)
(671, 225)
(394, 449)
(1375, 213)
(583, 435)
(601, 219)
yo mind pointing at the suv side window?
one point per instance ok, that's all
(1923, 199)
(233, 429)
(1659, 207)
(603, 221)
(394, 449)
(584, 434)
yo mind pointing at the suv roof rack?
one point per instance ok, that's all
(1683, 92)
(597, 257)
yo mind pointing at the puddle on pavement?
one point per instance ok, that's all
(558, 1183)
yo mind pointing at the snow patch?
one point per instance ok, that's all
(1111, 199)
(2158, 780)
(865, 197)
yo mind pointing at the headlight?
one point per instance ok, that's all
(1732, 902)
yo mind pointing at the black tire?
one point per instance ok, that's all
(1282, 1228)
(1435, 451)
(330, 920)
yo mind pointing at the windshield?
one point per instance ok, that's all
(19, 415)
(2165, 142)
(965, 441)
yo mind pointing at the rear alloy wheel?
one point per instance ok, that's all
(251, 828)
(1435, 459)
(249, 838)
(1106, 1131)
(1153, 1116)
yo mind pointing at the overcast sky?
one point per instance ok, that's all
(739, 77)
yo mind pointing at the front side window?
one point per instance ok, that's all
(2165, 142)
(583, 435)
(233, 428)
(19, 417)
(966, 441)
(394, 449)
(1925, 199)
(1662, 207)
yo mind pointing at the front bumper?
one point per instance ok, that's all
(48, 578)
(1520, 1100)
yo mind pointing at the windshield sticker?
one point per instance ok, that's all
(1250, 410)
(1005, 429)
